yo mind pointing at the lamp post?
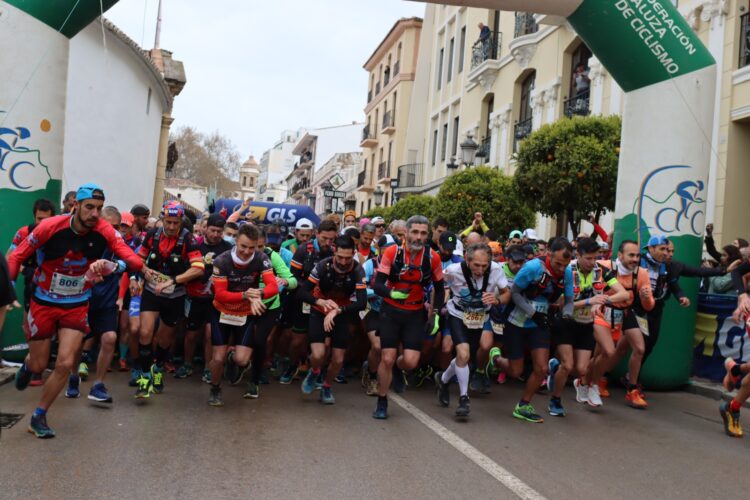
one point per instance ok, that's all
(469, 150)
(394, 186)
(378, 194)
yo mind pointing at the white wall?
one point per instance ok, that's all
(110, 137)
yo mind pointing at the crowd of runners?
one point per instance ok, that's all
(400, 305)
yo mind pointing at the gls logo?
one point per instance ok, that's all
(287, 215)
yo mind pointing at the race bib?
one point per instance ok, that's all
(615, 316)
(474, 320)
(305, 308)
(642, 324)
(362, 314)
(163, 278)
(582, 315)
(66, 285)
(497, 328)
(231, 319)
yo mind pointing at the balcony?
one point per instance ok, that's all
(744, 40)
(487, 49)
(409, 176)
(484, 150)
(384, 171)
(389, 123)
(369, 139)
(521, 131)
(525, 24)
(363, 182)
(396, 68)
(577, 105)
(305, 158)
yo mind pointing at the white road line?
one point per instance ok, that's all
(502, 475)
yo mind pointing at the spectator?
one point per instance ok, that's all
(581, 80)
(730, 260)
(477, 226)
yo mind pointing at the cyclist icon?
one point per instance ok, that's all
(688, 192)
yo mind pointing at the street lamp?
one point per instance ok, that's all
(394, 186)
(452, 165)
(378, 194)
(469, 150)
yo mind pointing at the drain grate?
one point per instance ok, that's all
(8, 420)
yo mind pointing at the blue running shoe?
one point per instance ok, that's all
(326, 396)
(555, 407)
(381, 410)
(23, 377)
(308, 384)
(399, 384)
(98, 393)
(157, 379)
(553, 365)
(319, 381)
(134, 374)
(38, 427)
(72, 391)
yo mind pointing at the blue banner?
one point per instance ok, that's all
(264, 213)
(717, 337)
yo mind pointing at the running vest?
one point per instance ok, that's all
(425, 268)
(176, 263)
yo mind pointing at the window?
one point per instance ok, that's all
(454, 145)
(393, 111)
(269, 198)
(444, 144)
(252, 181)
(526, 87)
(461, 49)
(244, 179)
(369, 204)
(440, 69)
(362, 207)
(434, 146)
(385, 200)
(450, 58)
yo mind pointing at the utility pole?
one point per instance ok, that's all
(157, 37)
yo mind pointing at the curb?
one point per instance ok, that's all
(7, 374)
(711, 390)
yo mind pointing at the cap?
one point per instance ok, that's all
(377, 220)
(515, 234)
(604, 245)
(657, 240)
(304, 224)
(386, 241)
(363, 221)
(347, 228)
(127, 219)
(273, 238)
(448, 241)
(530, 234)
(140, 209)
(516, 255)
(350, 213)
(90, 191)
(173, 209)
(216, 220)
(496, 247)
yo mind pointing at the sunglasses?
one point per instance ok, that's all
(379, 225)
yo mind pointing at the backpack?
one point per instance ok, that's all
(597, 283)
(176, 262)
(425, 268)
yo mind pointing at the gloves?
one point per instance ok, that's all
(541, 319)
(436, 327)
(396, 295)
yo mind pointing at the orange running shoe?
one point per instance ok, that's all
(635, 399)
(603, 391)
(730, 381)
(36, 380)
(123, 365)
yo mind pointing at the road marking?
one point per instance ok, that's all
(502, 475)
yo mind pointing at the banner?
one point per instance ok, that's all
(265, 213)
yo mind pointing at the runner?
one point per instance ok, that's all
(538, 284)
(328, 290)
(68, 248)
(737, 378)
(171, 260)
(402, 276)
(240, 311)
(379, 224)
(476, 285)
(365, 248)
(303, 233)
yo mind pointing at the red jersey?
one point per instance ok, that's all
(410, 279)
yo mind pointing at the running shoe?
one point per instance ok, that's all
(381, 410)
(326, 396)
(234, 372)
(206, 377)
(399, 384)
(603, 390)
(320, 379)
(486, 385)
(264, 378)
(731, 419)
(38, 427)
(502, 377)
(443, 395)
(288, 375)
(553, 365)
(424, 374)
(144, 386)
(98, 393)
(491, 369)
(555, 407)
(308, 384)
(83, 371)
(252, 391)
(36, 380)
(730, 381)
(635, 399)
(464, 407)
(122, 365)
(157, 375)
(23, 377)
(527, 412)
(372, 387)
(169, 367)
(341, 377)
(582, 391)
(214, 397)
(595, 399)
(475, 384)
(133, 382)
(73, 392)
(184, 371)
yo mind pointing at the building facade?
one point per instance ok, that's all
(249, 174)
(335, 178)
(275, 165)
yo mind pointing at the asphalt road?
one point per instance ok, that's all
(287, 445)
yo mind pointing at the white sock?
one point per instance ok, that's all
(449, 372)
(462, 373)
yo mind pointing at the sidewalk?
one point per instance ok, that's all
(706, 388)
(6, 374)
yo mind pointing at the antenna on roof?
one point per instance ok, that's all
(157, 37)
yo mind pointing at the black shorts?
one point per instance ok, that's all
(339, 335)
(578, 335)
(460, 334)
(102, 321)
(170, 311)
(252, 334)
(197, 313)
(300, 320)
(287, 310)
(516, 339)
(7, 292)
(126, 300)
(372, 321)
(401, 326)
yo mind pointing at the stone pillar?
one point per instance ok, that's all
(551, 95)
(537, 108)
(161, 165)
(504, 132)
(596, 95)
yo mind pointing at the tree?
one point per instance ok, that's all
(570, 168)
(206, 159)
(384, 212)
(413, 205)
(486, 190)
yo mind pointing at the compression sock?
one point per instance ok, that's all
(162, 355)
(462, 374)
(145, 357)
(123, 350)
(734, 405)
(449, 372)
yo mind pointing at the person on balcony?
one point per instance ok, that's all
(484, 37)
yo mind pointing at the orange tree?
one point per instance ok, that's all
(570, 168)
(486, 190)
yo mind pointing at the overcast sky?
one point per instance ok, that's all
(255, 68)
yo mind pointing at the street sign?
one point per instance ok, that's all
(336, 181)
(330, 193)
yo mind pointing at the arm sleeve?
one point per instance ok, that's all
(599, 230)
(222, 293)
(520, 301)
(124, 284)
(700, 272)
(380, 287)
(711, 248)
(361, 293)
(282, 271)
(567, 310)
(26, 249)
(304, 292)
(466, 231)
(439, 295)
(271, 288)
(297, 262)
(737, 275)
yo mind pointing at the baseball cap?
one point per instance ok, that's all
(350, 213)
(216, 220)
(657, 240)
(127, 219)
(173, 209)
(304, 224)
(90, 191)
(386, 241)
(530, 234)
(496, 247)
(377, 220)
(140, 209)
(515, 234)
(516, 255)
(448, 241)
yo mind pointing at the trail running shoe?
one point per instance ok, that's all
(98, 393)
(635, 399)
(308, 384)
(553, 365)
(157, 375)
(595, 398)
(184, 371)
(36, 380)
(288, 375)
(582, 391)
(555, 407)
(491, 369)
(730, 381)
(144, 386)
(399, 384)
(73, 392)
(464, 407)
(731, 419)
(265, 377)
(252, 391)
(381, 410)
(372, 387)
(169, 367)
(475, 384)
(23, 377)
(122, 365)
(133, 382)
(38, 427)
(426, 374)
(443, 395)
(527, 412)
(326, 396)
(214, 397)
(341, 377)
(206, 377)
(83, 371)
(603, 390)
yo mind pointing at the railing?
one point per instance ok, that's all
(484, 148)
(525, 24)
(361, 178)
(745, 40)
(388, 119)
(305, 157)
(578, 105)
(396, 68)
(410, 175)
(383, 170)
(486, 49)
(521, 131)
(369, 96)
(366, 134)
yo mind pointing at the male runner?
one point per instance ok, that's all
(303, 233)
